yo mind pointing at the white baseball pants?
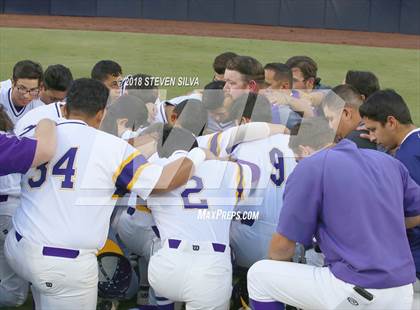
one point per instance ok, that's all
(309, 287)
(13, 289)
(57, 282)
(193, 273)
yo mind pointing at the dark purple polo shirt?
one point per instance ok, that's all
(354, 202)
(409, 154)
(16, 155)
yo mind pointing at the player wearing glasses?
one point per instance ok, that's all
(19, 95)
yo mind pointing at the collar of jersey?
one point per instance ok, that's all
(12, 105)
(409, 134)
(73, 121)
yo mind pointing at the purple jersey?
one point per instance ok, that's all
(354, 202)
(409, 154)
(16, 155)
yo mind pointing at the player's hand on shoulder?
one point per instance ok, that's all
(46, 122)
(278, 129)
(45, 134)
(276, 97)
(147, 149)
(366, 134)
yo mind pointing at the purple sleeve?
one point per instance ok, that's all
(16, 155)
(301, 202)
(411, 194)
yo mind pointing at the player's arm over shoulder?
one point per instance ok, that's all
(45, 134)
(21, 154)
(244, 176)
(247, 133)
(139, 175)
(180, 170)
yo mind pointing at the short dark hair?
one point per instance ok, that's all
(213, 95)
(142, 86)
(126, 106)
(6, 123)
(314, 132)
(384, 103)
(282, 72)
(27, 69)
(220, 62)
(364, 81)
(103, 68)
(253, 106)
(346, 93)
(174, 139)
(248, 66)
(87, 96)
(307, 66)
(58, 77)
(191, 116)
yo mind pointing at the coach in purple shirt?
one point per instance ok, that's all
(356, 203)
(18, 155)
(389, 122)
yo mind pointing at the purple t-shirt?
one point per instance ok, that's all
(16, 155)
(354, 202)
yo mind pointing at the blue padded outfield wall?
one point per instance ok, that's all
(365, 15)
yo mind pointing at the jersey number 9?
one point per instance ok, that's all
(277, 160)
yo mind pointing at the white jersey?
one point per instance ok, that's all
(276, 162)
(68, 202)
(51, 111)
(9, 193)
(10, 185)
(161, 113)
(6, 101)
(216, 142)
(217, 186)
(161, 104)
(221, 143)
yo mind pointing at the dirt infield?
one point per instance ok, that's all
(214, 29)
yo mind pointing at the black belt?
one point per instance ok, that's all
(247, 222)
(4, 198)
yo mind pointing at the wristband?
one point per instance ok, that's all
(197, 156)
(177, 154)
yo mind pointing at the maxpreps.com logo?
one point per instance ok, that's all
(220, 214)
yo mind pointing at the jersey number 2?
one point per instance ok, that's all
(64, 167)
(195, 190)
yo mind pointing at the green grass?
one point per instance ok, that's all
(170, 55)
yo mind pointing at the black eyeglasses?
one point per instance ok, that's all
(23, 90)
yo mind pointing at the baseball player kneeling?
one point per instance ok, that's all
(194, 263)
(67, 203)
(337, 194)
